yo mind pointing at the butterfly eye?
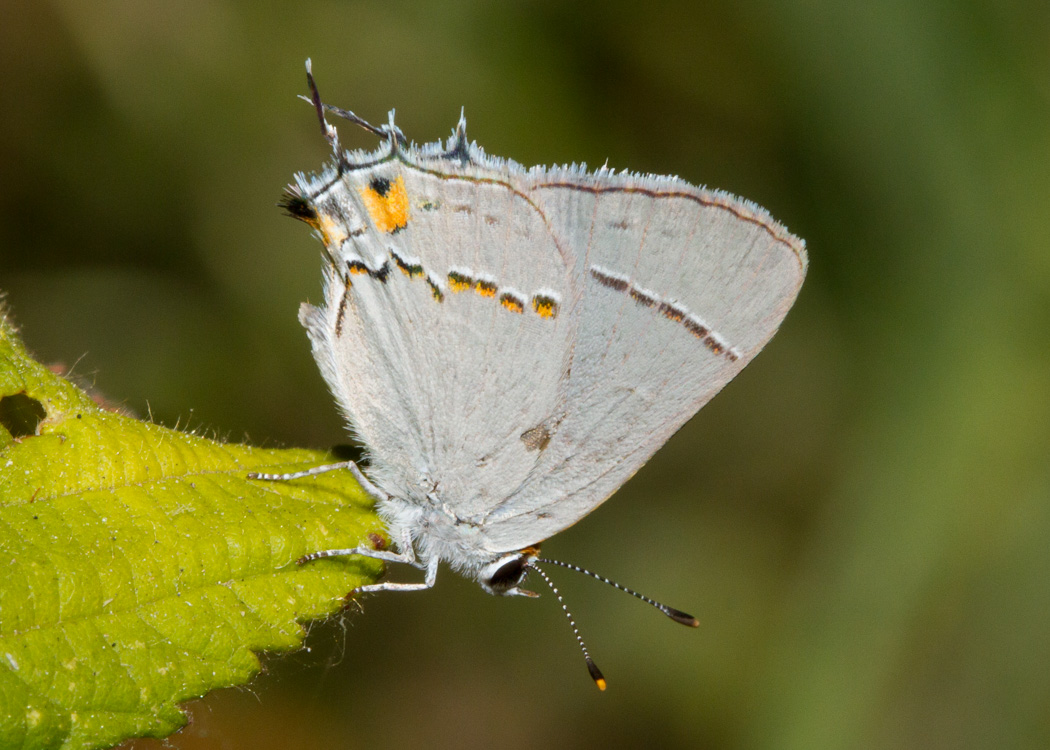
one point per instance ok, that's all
(504, 574)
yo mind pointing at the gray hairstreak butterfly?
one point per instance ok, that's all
(511, 345)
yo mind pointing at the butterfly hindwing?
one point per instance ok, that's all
(681, 288)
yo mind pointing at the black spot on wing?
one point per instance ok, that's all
(381, 185)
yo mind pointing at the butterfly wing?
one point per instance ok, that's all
(517, 344)
(681, 289)
(448, 321)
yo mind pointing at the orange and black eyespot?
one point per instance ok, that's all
(545, 306)
(435, 290)
(485, 288)
(459, 282)
(411, 270)
(358, 268)
(512, 302)
(386, 203)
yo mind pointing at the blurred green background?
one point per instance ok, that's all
(861, 521)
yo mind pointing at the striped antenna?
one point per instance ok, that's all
(675, 614)
(596, 674)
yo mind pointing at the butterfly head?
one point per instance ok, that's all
(503, 575)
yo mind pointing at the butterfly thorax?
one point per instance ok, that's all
(438, 534)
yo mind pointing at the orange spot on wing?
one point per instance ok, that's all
(459, 282)
(388, 209)
(333, 233)
(544, 306)
(511, 303)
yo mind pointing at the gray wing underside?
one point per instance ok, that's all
(522, 423)
(440, 391)
(647, 250)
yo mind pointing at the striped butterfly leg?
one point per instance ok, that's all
(406, 551)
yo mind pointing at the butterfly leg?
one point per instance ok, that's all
(428, 582)
(406, 551)
(405, 554)
(374, 492)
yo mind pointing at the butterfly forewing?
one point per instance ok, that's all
(447, 326)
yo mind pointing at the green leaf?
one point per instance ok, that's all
(141, 567)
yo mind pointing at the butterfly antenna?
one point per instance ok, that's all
(675, 614)
(596, 674)
(328, 131)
